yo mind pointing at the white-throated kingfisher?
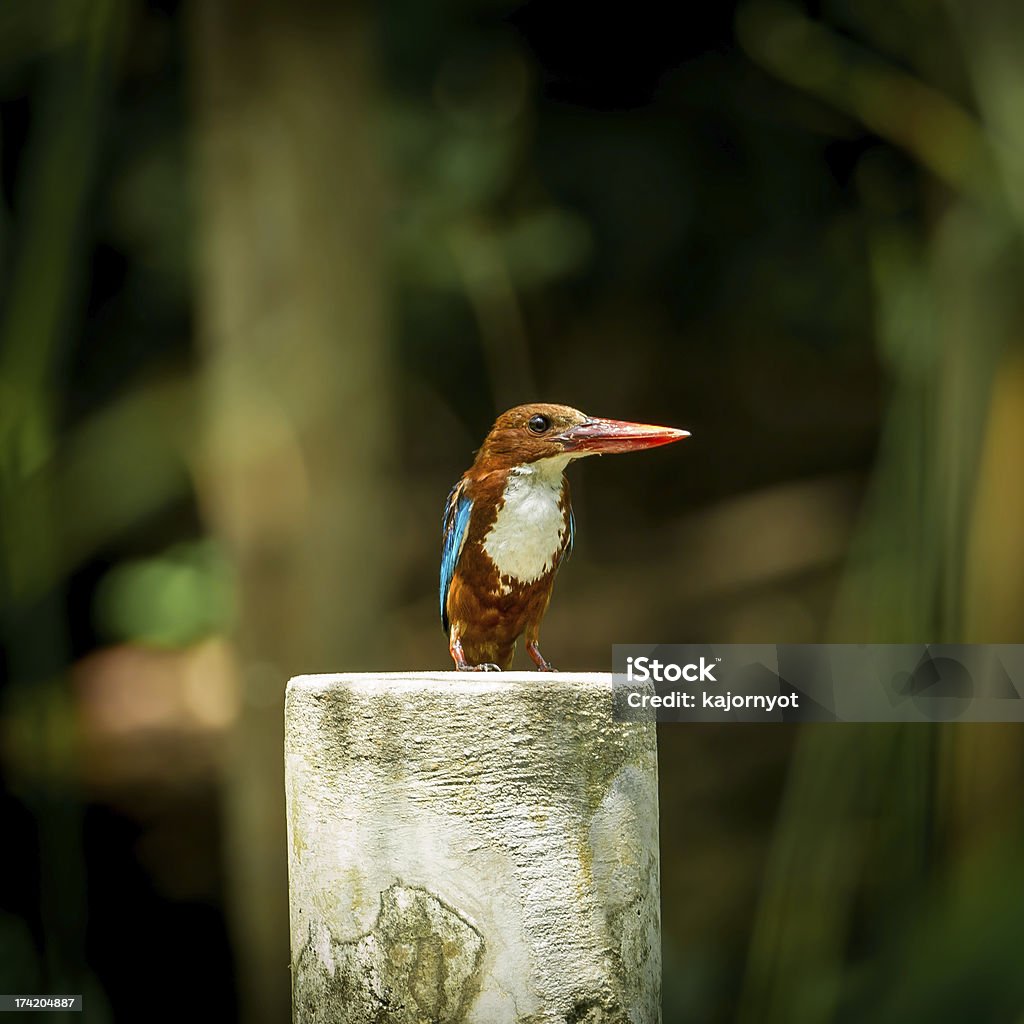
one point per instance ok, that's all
(508, 525)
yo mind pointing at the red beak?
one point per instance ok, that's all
(604, 437)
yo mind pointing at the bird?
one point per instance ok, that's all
(508, 526)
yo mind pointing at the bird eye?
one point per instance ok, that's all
(538, 424)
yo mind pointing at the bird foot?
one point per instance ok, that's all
(459, 657)
(542, 663)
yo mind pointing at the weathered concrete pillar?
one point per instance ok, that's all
(477, 848)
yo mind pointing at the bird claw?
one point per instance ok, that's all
(542, 663)
(487, 666)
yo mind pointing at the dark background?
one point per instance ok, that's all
(269, 271)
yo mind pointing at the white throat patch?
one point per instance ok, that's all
(529, 530)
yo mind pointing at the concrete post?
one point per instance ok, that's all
(478, 848)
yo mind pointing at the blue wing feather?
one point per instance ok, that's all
(572, 535)
(454, 523)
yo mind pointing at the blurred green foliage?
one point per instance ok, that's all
(173, 600)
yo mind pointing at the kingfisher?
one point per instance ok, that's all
(508, 526)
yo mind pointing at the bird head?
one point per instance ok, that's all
(529, 433)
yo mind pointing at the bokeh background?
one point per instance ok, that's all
(269, 270)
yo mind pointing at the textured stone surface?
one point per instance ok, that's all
(419, 962)
(477, 848)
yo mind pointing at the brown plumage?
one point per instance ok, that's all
(508, 527)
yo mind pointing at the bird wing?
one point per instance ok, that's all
(454, 523)
(572, 536)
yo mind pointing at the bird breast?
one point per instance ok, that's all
(529, 530)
